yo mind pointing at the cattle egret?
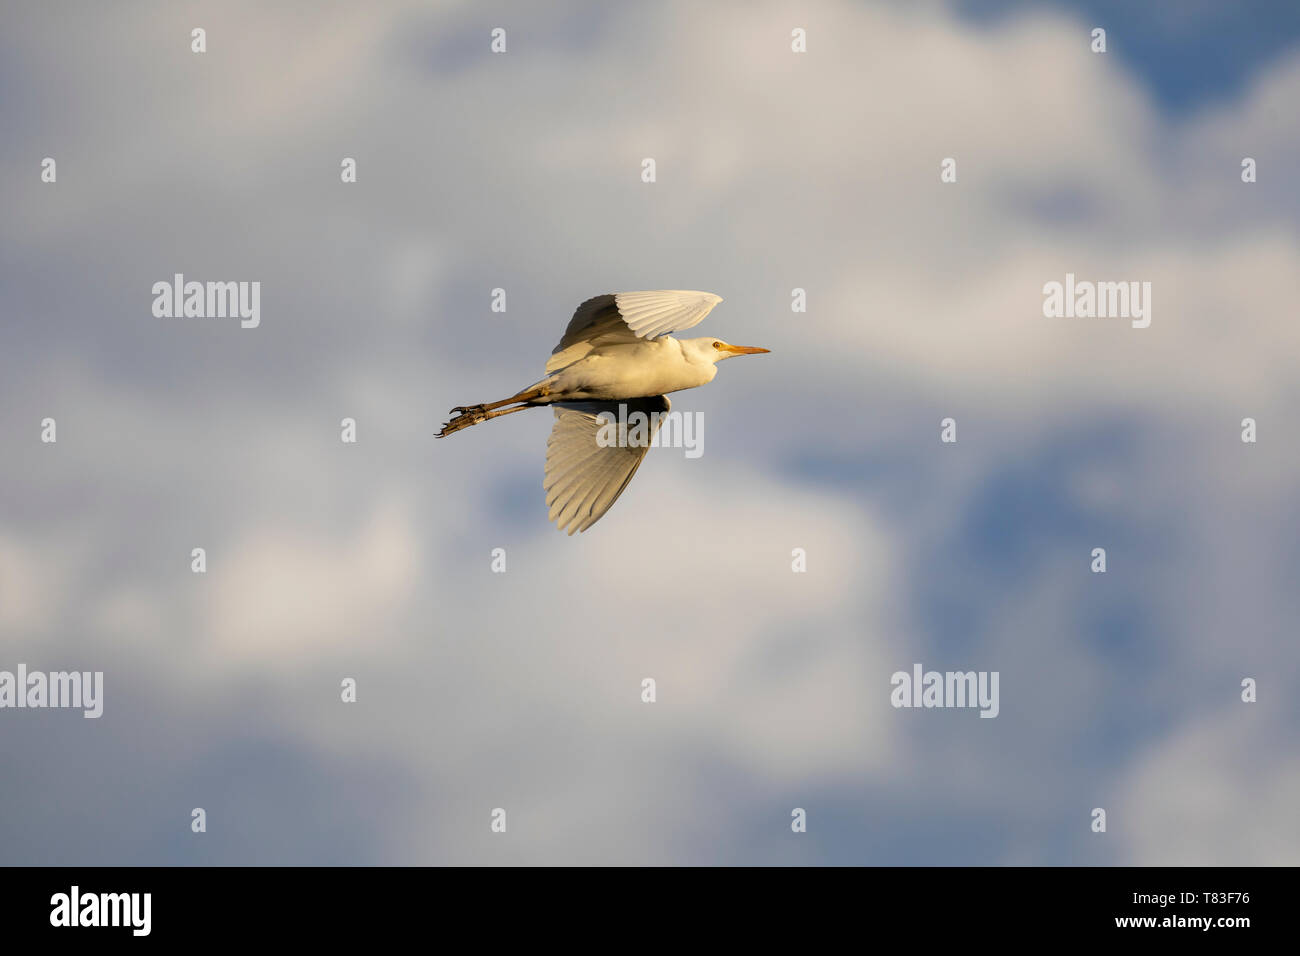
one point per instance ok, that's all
(616, 351)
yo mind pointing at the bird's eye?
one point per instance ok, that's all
(717, 345)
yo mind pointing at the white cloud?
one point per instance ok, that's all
(1219, 792)
(286, 593)
(776, 171)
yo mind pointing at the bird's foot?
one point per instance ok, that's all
(467, 409)
(463, 420)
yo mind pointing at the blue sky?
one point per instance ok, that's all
(1188, 54)
(522, 690)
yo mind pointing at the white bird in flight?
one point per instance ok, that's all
(616, 350)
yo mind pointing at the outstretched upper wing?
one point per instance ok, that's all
(584, 476)
(627, 316)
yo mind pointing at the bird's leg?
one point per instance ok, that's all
(473, 416)
(527, 395)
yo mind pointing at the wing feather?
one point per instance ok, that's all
(628, 316)
(584, 478)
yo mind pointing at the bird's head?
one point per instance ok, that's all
(715, 350)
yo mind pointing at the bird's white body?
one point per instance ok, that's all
(636, 369)
(616, 349)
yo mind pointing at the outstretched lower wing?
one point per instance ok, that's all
(589, 461)
(628, 316)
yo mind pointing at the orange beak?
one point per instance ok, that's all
(745, 350)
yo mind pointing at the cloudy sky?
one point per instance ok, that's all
(775, 170)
